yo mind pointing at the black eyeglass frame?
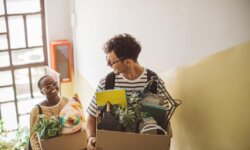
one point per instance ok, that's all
(112, 63)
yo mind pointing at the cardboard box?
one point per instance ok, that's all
(112, 140)
(76, 141)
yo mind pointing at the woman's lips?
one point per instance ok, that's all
(53, 91)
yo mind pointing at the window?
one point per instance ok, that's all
(23, 57)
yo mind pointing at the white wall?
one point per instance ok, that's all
(58, 22)
(172, 33)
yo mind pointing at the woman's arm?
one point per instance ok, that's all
(34, 117)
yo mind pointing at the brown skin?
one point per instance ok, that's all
(51, 95)
(91, 132)
(130, 70)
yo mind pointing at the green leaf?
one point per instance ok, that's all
(48, 127)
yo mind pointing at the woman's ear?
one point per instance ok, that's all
(42, 92)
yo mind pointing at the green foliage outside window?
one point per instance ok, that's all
(20, 141)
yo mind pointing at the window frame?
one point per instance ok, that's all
(29, 66)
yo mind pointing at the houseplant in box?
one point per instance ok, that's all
(131, 116)
(70, 120)
(48, 127)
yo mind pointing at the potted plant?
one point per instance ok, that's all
(131, 116)
(48, 127)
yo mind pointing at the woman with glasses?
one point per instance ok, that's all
(51, 106)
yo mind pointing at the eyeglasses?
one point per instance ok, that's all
(109, 63)
(51, 86)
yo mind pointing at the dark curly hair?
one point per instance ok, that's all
(40, 80)
(124, 46)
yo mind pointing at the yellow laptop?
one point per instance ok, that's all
(116, 96)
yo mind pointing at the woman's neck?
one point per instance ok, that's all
(51, 101)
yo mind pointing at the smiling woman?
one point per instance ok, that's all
(51, 106)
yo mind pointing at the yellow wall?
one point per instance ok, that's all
(215, 111)
(84, 90)
(68, 88)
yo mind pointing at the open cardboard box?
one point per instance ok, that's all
(76, 141)
(113, 140)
